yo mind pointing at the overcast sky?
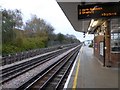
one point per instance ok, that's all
(48, 10)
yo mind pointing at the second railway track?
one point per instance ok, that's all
(14, 71)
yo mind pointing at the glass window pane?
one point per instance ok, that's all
(115, 35)
(119, 43)
(112, 43)
(119, 36)
(115, 42)
(112, 37)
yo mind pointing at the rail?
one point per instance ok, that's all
(42, 80)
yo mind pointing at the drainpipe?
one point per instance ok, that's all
(104, 51)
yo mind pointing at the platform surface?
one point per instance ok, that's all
(88, 72)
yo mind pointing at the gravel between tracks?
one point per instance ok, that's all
(18, 81)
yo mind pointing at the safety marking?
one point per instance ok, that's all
(76, 75)
(81, 50)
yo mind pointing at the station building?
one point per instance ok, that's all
(105, 27)
(107, 42)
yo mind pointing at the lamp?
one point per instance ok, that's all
(91, 22)
(95, 23)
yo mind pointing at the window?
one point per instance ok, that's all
(115, 35)
(115, 41)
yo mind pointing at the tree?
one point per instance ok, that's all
(17, 17)
(37, 27)
(35, 24)
(60, 38)
(7, 26)
(10, 20)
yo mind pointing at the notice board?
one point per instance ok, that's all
(102, 10)
(101, 48)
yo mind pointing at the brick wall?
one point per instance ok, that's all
(97, 41)
(115, 58)
(109, 56)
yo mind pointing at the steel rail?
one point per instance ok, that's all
(21, 64)
(26, 67)
(55, 81)
(31, 82)
(21, 71)
(60, 83)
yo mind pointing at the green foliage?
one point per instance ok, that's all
(32, 43)
(10, 19)
(9, 48)
(28, 44)
(36, 34)
(60, 37)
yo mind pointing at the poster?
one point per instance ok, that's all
(101, 48)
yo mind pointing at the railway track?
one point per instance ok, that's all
(16, 70)
(52, 77)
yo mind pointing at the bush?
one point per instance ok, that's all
(7, 49)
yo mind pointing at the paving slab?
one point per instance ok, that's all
(91, 73)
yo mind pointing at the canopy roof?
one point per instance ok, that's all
(70, 9)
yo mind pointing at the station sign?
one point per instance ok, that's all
(102, 10)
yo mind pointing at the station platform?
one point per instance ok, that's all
(88, 72)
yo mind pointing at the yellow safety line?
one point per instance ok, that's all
(76, 76)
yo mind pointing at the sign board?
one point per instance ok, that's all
(103, 10)
(101, 48)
